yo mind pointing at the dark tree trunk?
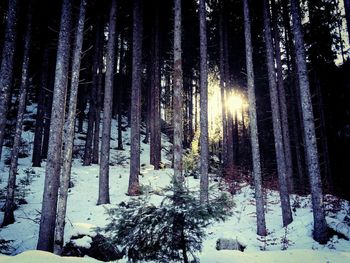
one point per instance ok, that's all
(260, 213)
(69, 133)
(133, 188)
(222, 91)
(155, 144)
(120, 93)
(53, 166)
(320, 226)
(6, 70)
(177, 96)
(10, 197)
(94, 95)
(103, 194)
(204, 141)
(38, 137)
(276, 121)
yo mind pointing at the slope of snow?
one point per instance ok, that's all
(291, 244)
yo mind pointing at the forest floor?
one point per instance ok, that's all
(293, 243)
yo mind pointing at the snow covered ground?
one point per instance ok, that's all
(291, 244)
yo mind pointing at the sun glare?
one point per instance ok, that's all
(235, 104)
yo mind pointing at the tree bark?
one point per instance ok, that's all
(6, 70)
(320, 226)
(177, 97)
(133, 188)
(282, 99)
(260, 213)
(103, 194)
(276, 121)
(53, 166)
(155, 144)
(10, 197)
(38, 137)
(69, 133)
(204, 148)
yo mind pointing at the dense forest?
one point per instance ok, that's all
(232, 90)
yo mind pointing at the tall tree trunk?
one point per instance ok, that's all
(69, 133)
(276, 121)
(120, 92)
(155, 144)
(204, 148)
(47, 115)
(94, 96)
(6, 70)
(38, 137)
(222, 92)
(177, 96)
(133, 188)
(320, 226)
(103, 193)
(53, 166)
(10, 197)
(282, 99)
(260, 213)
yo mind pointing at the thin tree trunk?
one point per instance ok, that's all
(282, 100)
(94, 95)
(38, 137)
(120, 93)
(276, 121)
(133, 188)
(6, 70)
(69, 133)
(177, 96)
(204, 141)
(10, 197)
(103, 193)
(260, 213)
(222, 92)
(53, 166)
(156, 145)
(320, 226)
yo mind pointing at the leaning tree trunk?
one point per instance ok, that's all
(320, 226)
(282, 100)
(177, 97)
(6, 70)
(53, 166)
(38, 137)
(103, 193)
(133, 188)
(69, 133)
(11, 185)
(276, 121)
(204, 148)
(260, 213)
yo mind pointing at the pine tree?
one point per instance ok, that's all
(103, 193)
(276, 121)
(69, 132)
(53, 166)
(204, 148)
(133, 188)
(177, 96)
(320, 225)
(260, 213)
(11, 185)
(6, 70)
